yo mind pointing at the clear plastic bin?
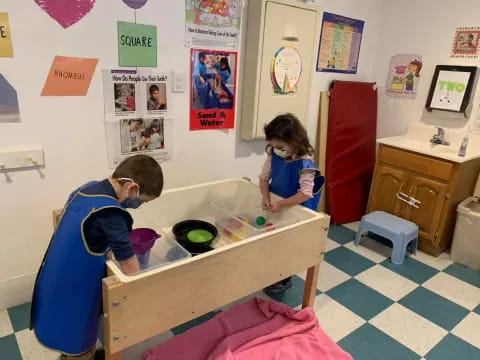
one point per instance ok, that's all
(466, 241)
(239, 215)
(165, 251)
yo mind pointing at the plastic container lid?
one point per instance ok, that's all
(470, 206)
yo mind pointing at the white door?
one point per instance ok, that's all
(286, 26)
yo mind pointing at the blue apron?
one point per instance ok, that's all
(286, 177)
(67, 298)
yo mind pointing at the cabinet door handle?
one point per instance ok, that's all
(410, 201)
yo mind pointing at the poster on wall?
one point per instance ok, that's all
(66, 13)
(213, 84)
(213, 23)
(137, 114)
(9, 110)
(69, 76)
(136, 93)
(403, 75)
(340, 41)
(450, 89)
(286, 70)
(466, 43)
(6, 48)
(137, 44)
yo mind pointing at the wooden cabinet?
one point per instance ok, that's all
(424, 190)
(390, 181)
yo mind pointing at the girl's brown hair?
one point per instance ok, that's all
(418, 64)
(289, 129)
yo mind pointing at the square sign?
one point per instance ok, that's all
(137, 44)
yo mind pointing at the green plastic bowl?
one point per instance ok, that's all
(199, 236)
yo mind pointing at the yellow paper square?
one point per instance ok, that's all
(6, 49)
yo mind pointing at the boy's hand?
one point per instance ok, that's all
(275, 206)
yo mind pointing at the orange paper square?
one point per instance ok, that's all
(69, 76)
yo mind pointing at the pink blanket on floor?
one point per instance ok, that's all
(256, 330)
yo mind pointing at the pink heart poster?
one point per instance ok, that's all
(66, 13)
(135, 4)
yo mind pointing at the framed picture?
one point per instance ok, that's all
(466, 43)
(451, 88)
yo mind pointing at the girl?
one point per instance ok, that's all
(155, 134)
(414, 71)
(223, 69)
(289, 171)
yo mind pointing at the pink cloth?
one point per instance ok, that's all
(256, 330)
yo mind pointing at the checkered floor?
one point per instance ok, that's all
(427, 308)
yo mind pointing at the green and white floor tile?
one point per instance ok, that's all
(428, 308)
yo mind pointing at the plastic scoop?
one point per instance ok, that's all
(199, 236)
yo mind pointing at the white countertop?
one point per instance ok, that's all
(418, 140)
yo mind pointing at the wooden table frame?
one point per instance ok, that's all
(139, 309)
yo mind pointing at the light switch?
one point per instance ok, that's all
(21, 157)
(178, 82)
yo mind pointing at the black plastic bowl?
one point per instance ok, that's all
(181, 229)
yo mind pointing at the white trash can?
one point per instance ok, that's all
(466, 240)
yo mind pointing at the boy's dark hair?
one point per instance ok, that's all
(287, 128)
(201, 55)
(140, 121)
(145, 171)
(153, 88)
(224, 61)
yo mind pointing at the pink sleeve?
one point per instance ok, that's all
(267, 168)
(307, 180)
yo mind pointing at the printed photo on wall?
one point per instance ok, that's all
(213, 82)
(466, 42)
(124, 95)
(139, 134)
(404, 75)
(156, 97)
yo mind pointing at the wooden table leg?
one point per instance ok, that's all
(117, 356)
(310, 286)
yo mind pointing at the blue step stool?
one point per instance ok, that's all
(399, 231)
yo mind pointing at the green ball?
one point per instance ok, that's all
(199, 236)
(260, 221)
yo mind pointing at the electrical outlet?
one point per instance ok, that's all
(178, 82)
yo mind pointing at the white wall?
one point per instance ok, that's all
(71, 130)
(427, 28)
(370, 12)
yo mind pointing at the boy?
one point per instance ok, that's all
(155, 102)
(67, 298)
(201, 68)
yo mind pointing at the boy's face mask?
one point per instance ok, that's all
(130, 203)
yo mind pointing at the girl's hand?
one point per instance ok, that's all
(275, 207)
(266, 204)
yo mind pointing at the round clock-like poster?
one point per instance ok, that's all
(286, 70)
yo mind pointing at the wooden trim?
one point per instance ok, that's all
(56, 215)
(311, 286)
(321, 144)
(151, 305)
